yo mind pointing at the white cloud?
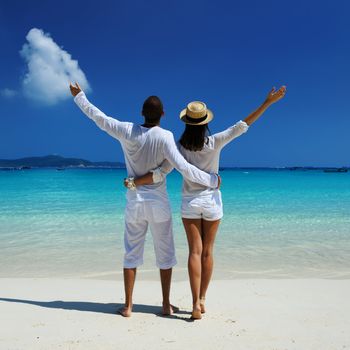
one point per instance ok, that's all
(50, 69)
(8, 93)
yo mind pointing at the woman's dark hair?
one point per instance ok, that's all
(194, 137)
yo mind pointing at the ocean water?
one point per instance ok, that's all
(277, 224)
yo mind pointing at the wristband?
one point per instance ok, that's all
(131, 184)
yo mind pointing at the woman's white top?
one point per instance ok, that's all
(145, 149)
(207, 159)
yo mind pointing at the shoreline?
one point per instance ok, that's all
(182, 276)
(50, 313)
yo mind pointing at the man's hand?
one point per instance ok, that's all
(275, 96)
(75, 89)
(219, 181)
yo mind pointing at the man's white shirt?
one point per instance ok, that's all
(145, 149)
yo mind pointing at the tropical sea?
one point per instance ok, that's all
(277, 223)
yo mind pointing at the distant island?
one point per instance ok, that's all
(55, 161)
(61, 163)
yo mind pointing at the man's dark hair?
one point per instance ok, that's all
(152, 109)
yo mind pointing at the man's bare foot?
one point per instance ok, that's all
(202, 304)
(169, 309)
(175, 308)
(125, 311)
(196, 313)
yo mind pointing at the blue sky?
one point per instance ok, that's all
(226, 53)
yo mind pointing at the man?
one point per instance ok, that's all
(145, 147)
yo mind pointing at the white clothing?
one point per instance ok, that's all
(139, 215)
(207, 159)
(145, 149)
(207, 207)
(195, 195)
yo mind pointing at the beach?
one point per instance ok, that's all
(241, 314)
(248, 101)
(281, 276)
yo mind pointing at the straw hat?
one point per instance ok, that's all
(196, 113)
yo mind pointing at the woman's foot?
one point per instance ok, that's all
(125, 311)
(196, 313)
(202, 304)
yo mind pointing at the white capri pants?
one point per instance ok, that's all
(155, 214)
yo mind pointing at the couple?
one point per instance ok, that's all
(150, 153)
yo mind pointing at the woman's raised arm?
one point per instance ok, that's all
(223, 138)
(271, 98)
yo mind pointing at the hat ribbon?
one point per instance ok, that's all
(196, 120)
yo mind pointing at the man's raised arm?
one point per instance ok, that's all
(112, 126)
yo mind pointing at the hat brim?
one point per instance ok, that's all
(184, 118)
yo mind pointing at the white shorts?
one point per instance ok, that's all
(155, 214)
(207, 207)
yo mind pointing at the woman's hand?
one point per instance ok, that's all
(75, 89)
(126, 182)
(275, 96)
(271, 98)
(129, 183)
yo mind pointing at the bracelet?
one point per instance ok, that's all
(131, 183)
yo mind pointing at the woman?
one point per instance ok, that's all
(202, 207)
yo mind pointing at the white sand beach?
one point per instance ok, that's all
(241, 314)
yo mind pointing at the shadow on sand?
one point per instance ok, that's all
(105, 308)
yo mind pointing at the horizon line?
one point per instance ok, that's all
(221, 167)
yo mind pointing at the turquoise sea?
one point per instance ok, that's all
(277, 224)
